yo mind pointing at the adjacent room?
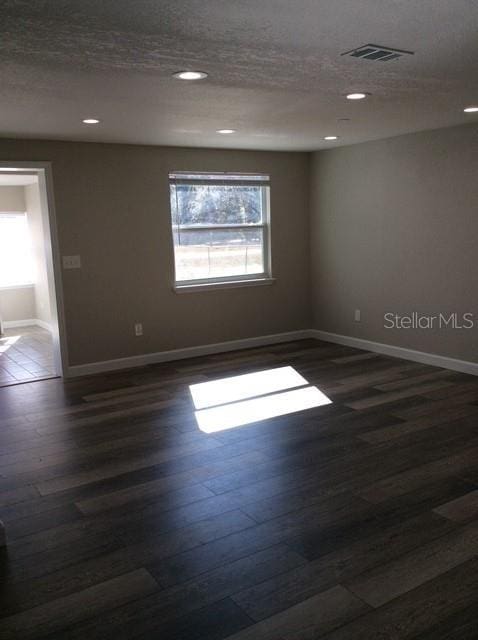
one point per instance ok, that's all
(26, 343)
(238, 317)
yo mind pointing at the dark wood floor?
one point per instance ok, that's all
(356, 520)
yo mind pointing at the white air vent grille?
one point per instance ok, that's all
(376, 52)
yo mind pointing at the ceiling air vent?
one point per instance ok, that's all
(376, 52)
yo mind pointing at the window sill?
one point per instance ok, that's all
(231, 284)
(27, 285)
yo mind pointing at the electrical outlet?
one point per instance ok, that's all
(71, 262)
(357, 315)
(138, 329)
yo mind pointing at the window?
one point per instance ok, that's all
(16, 259)
(220, 227)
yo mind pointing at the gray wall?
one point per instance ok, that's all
(112, 207)
(395, 229)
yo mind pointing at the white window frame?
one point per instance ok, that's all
(256, 179)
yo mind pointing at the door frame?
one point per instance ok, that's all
(43, 170)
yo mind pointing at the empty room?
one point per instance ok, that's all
(239, 320)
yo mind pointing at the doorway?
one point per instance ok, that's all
(32, 345)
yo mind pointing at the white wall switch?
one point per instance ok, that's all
(138, 329)
(71, 262)
(357, 315)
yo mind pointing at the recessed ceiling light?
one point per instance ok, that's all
(190, 75)
(470, 109)
(331, 138)
(225, 131)
(90, 121)
(356, 96)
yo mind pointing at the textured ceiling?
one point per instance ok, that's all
(275, 70)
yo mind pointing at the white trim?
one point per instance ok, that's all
(464, 366)
(228, 284)
(54, 271)
(13, 324)
(43, 324)
(9, 287)
(181, 354)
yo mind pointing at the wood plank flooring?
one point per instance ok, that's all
(353, 520)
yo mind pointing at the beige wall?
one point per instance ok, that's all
(17, 303)
(12, 199)
(395, 229)
(112, 207)
(35, 226)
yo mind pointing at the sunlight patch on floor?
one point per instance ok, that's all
(250, 385)
(240, 400)
(6, 343)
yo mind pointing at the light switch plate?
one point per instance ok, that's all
(71, 262)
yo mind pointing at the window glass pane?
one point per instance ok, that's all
(217, 253)
(211, 204)
(16, 260)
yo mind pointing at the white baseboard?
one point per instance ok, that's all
(43, 324)
(246, 343)
(181, 354)
(14, 324)
(464, 366)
